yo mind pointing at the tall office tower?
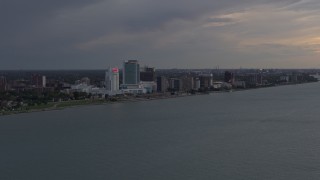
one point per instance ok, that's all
(112, 79)
(131, 72)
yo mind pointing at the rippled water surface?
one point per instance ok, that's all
(271, 133)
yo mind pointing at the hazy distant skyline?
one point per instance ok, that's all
(95, 34)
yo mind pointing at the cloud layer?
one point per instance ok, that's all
(93, 34)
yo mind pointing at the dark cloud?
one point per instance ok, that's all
(46, 33)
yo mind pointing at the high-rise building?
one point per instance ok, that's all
(162, 84)
(187, 83)
(147, 74)
(228, 77)
(197, 84)
(175, 84)
(38, 81)
(131, 72)
(3, 84)
(112, 80)
(44, 81)
(206, 81)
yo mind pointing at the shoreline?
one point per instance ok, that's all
(77, 103)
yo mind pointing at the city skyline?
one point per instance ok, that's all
(168, 34)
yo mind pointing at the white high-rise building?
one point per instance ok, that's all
(44, 81)
(112, 80)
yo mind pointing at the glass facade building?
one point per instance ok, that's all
(131, 72)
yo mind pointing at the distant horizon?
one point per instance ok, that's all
(163, 69)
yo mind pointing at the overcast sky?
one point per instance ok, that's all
(95, 34)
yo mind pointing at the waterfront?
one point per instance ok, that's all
(269, 133)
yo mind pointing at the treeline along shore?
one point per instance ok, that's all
(36, 103)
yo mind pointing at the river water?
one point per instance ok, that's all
(271, 133)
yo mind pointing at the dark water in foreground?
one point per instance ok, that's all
(271, 133)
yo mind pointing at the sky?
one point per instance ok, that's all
(95, 34)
